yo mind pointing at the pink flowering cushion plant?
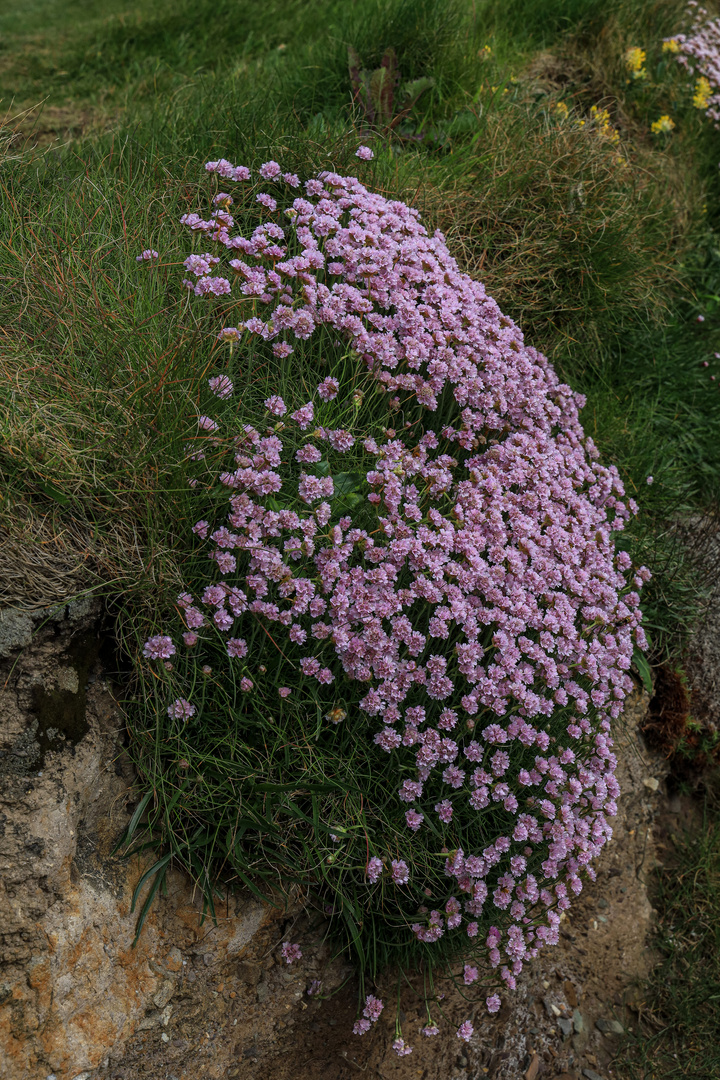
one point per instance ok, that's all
(407, 588)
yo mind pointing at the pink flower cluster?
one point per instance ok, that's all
(371, 1014)
(486, 603)
(700, 54)
(291, 953)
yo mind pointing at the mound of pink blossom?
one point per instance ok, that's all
(473, 601)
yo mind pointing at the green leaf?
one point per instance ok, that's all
(412, 90)
(132, 825)
(54, 493)
(159, 869)
(643, 669)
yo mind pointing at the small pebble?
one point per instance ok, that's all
(609, 1027)
(566, 1026)
(591, 1075)
(165, 1037)
(602, 903)
(578, 1022)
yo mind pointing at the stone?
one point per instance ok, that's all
(163, 995)
(249, 972)
(651, 783)
(578, 1021)
(579, 1042)
(566, 1026)
(591, 1075)
(602, 903)
(173, 960)
(533, 1068)
(610, 1027)
(570, 994)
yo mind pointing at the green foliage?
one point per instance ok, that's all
(384, 103)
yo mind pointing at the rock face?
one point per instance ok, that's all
(72, 987)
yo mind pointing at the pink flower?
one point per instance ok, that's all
(364, 153)
(270, 170)
(221, 386)
(374, 869)
(373, 1007)
(266, 200)
(400, 872)
(465, 1031)
(400, 1048)
(276, 406)
(304, 416)
(181, 710)
(328, 389)
(147, 256)
(159, 647)
(246, 685)
(200, 529)
(291, 953)
(237, 647)
(493, 1003)
(284, 691)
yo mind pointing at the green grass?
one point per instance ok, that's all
(605, 266)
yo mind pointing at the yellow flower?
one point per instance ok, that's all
(662, 126)
(634, 60)
(484, 52)
(562, 110)
(671, 45)
(601, 118)
(703, 90)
